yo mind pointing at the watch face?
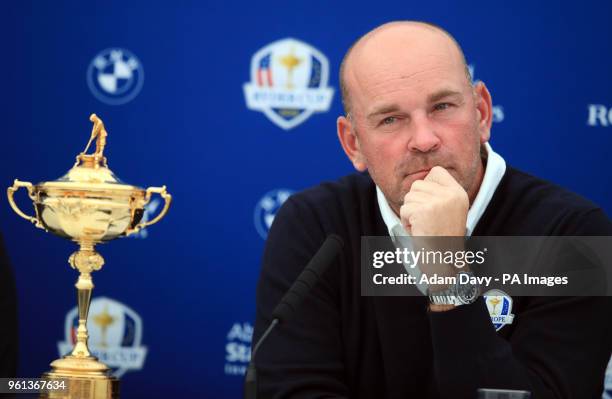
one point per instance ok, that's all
(468, 293)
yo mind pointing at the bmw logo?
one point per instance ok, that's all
(115, 76)
(266, 209)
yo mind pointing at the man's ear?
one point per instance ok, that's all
(484, 108)
(350, 143)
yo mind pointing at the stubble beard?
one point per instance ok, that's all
(467, 180)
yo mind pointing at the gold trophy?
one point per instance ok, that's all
(89, 206)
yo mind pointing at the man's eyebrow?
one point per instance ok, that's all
(383, 109)
(439, 95)
(432, 98)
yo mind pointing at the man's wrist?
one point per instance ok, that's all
(460, 293)
(440, 308)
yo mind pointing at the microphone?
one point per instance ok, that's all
(292, 300)
(319, 263)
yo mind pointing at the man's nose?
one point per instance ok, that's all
(423, 137)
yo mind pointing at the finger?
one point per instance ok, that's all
(423, 186)
(417, 197)
(407, 210)
(439, 175)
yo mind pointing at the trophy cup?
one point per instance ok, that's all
(89, 205)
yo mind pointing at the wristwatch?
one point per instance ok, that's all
(457, 294)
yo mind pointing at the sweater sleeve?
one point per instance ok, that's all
(559, 348)
(303, 357)
(8, 310)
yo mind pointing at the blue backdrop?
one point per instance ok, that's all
(171, 83)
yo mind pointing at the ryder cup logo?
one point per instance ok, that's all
(115, 76)
(499, 305)
(266, 209)
(115, 333)
(288, 82)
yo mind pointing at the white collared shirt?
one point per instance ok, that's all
(494, 171)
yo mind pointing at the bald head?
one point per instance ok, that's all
(401, 41)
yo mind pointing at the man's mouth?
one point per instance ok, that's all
(419, 174)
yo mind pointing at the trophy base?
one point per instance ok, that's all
(85, 378)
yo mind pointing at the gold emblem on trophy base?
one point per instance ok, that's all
(89, 205)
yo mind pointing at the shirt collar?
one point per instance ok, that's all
(494, 171)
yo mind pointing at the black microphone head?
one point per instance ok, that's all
(282, 312)
(319, 263)
(328, 251)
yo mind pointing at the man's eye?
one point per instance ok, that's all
(442, 106)
(389, 120)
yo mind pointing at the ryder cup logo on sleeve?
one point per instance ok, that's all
(238, 348)
(288, 82)
(115, 334)
(115, 76)
(266, 209)
(499, 305)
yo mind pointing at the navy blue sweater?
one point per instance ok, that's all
(343, 345)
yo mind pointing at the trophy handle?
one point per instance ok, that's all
(11, 191)
(167, 200)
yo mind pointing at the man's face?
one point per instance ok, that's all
(413, 108)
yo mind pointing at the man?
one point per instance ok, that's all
(420, 128)
(8, 312)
